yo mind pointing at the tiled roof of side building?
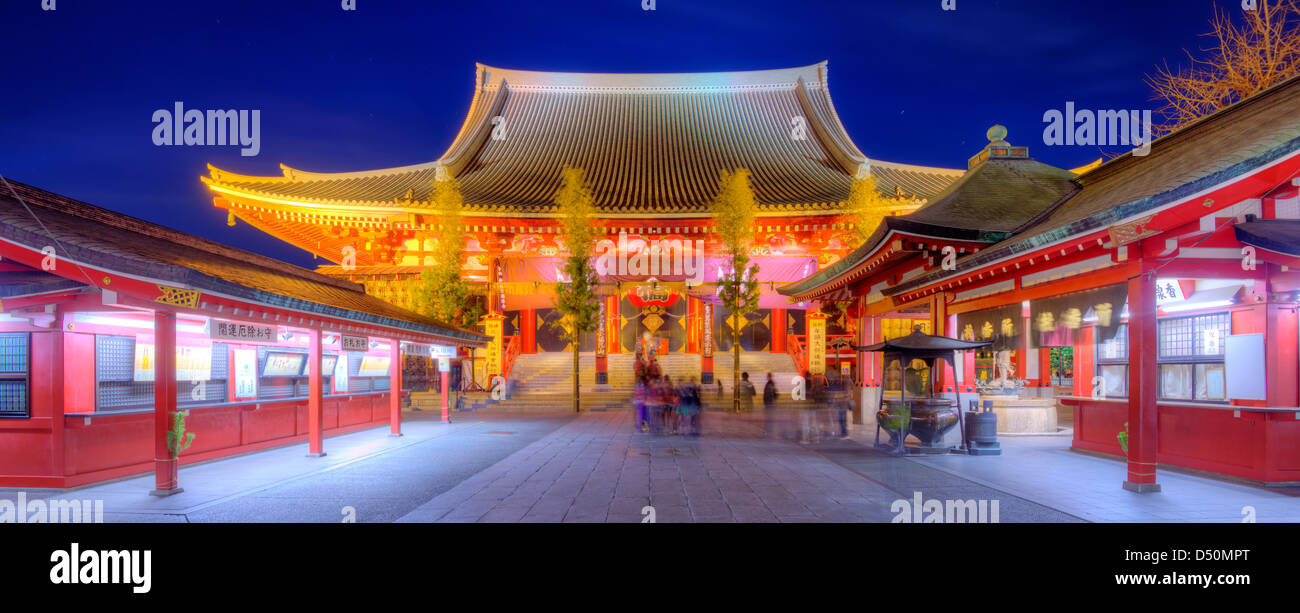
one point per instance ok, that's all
(649, 143)
(1237, 140)
(122, 244)
(1003, 189)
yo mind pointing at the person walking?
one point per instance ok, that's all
(697, 406)
(747, 393)
(769, 406)
(641, 397)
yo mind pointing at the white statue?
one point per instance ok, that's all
(1006, 382)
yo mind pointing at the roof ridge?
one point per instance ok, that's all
(492, 76)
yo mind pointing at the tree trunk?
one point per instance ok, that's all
(735, 366)
(576, 406)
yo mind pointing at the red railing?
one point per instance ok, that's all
(511, 351)
(794, 347)
(831, 340)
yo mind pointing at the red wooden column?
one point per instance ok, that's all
(1281, 360)
(58, 382)
(315, 404)
(164, 402)
(1143, 381)
(528, 331)
(444, 379)
(706, 342)
(939, 326)
(1085, 347)
(778, 326)
(611, 317)
(395, 389)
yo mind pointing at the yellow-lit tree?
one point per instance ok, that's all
(442, 292)
(867, 207)
(734, 211)
(576, 298)
(1244, 58)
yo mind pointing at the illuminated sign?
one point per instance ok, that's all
(373, 366)
(706, 338)
(327, 365)
(192, 363)
(493, 327)
(233, 331)
(283, 364)
(1168, 290)
(245, 373)
(816, 343)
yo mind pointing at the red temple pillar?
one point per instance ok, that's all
(939, 326)
(692, 324)
(1281, 360)
(1143, 382)
(395, 389)
(315, 404)
(1084, 347)
(611, 314)
(706, 342)
(164, 402)
(778, 326)
(528, 331)
(444, 390)
(58, 383)
(1022, 351)
(1045, 366)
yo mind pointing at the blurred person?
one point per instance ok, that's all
(640, 398)
(842, 412)
(747, 393)
(769, 405)
(696, 406)
(669, 407)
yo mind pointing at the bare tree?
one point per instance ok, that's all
(1243, 59)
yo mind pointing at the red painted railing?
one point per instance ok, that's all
(831, 339)
(513, 345)
(794, 347)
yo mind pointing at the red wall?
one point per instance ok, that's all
(1255, 445)
(41, 452)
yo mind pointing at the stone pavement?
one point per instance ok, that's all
(597, 469)
(1086, 486)
(594, 468)
(379, 477)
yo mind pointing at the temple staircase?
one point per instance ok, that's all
(543, 382)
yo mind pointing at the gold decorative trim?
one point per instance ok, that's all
(175, 296)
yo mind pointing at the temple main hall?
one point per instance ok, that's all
(652, 147)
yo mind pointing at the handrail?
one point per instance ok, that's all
(794, 347)
(511, 352)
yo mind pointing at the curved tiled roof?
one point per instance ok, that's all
(125, 245)
(650, 143)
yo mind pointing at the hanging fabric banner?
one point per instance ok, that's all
(1001, 325)
(1053, 320)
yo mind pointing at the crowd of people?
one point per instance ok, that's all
(662, 407)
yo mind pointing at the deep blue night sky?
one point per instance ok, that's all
(389, 84)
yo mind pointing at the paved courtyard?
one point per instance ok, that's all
(594, 468)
